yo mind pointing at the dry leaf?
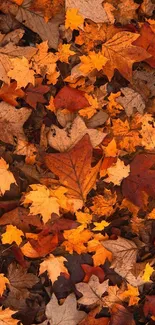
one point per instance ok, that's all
(3, 282)
(54, 267)
(21, 72)
(6, 177)
(5, 317)
(12, 234)
(117, 172)
(9, 93)
(131, 101)
(73, 19)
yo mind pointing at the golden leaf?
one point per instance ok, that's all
(147, 272)
(3, 282)
(6, 177)
(73, 19)
(117, 172)
(54, 267)
(103, 205)
(64, 52)
(100, 225)
(21, 72)
(76, 239)
(12, 234)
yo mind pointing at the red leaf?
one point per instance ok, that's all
(90, 270)
(34, 95)
(19, 256)
(147, 41)
(149, 306)
(141, 178)
(63, 224)
(71, 99)
(45, 244)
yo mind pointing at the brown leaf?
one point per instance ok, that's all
(149, 306)
(34, 95)
(121, 316)
(71, 99)
(141, 178)
(91, 320)
(21, 218)
(9, 93)
(77, 176)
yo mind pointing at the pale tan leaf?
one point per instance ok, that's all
(54, 267)
(131, 101)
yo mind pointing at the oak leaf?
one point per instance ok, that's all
(41, 202)
(92, 291)
(21, 72)
(6, 177)
(141, 178)
(63, 314)
(121, 54)
(65, 139)
(12, 121)
(117, 172)
(9, 93)
(3, 282)
(77, 176)
(12, 234)
(54, 267)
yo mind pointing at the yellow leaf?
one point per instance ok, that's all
(100, 225)
(76, 239)
(54, 267)
(90, 110)
(53, 77)
(120, 128)
(101, 254)
(73, 19)
(3, 282)
(12, 234)
(6, 177)
(92, 61)
(132, 293)
(147, 272)
(103, 204)
(51, 106)
(84, 218)
(44, 62)
(41, 202)
(64, 52)
(113, 107)
(5, 317)
(21, 72)
(117, 172)
(111, 149)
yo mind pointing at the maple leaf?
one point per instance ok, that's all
(131, 101)
(126, 11)
(91, 109)
(111, 150)
(73, 19)
(76, 239)
(12, 121)
(146, 41)
(113, 106)
(83, 218)
(121, 316)
(12, 234)
(100, 225)
(101, 253)
(92, 61)
(5, 317)
(6, 177)
(132, 294)
(103, 204)
(121, 54)
(47, 8)
(41, 202)
(63, 314)
(147, 272)
(141, 178)
(114, 296)
(64, 139)
(92, 291)
(34, 95)
(71, 99)
(21, 72)
(54, 267)
(64, 52)
(117, 172)
(148, 132)
(9, 93)
(91, 320)
(78, 176)
(44, 62)
(3, 282)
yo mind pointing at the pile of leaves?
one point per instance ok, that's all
(77, 162)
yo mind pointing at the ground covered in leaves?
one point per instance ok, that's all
(77, 162)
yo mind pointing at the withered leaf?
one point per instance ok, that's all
(34, 95)
(131, 101)
(74, 168)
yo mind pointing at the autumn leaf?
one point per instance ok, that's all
(34, 95)
(91, 270)
(103, 205)
(6, 317)
(73, 19)
(12, 234)
(91, 62)
(71, 99)
(9, 93)
(64, 52)
(78, 181)
(120, 315)
(54, 267)
(117, 172)
(92, 320)
(21, 72)
(3, 282)
(41, 202)
(121, 54)
(147, 272)
(100, 225)
(100, 252)
(6, 177)
(75, 239)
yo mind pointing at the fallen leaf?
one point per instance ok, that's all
(126, 11)
(117, 172)
(41, 202)
(149, 305)
(44, 62)
(147, 7)
(5, 317)
(55, 313)
(64, 52)
(78, 182)
(92, 61)
(103, 205)
(40, 247)
(121, 54)
(34, 95)
(92, 291)
(141, 179)
(113, 297)
(100, 225)
(21, 72)
(9, 93)
(3, 282)
(101, 253)
(121, 316)
(54, 267)
(65, 139)
(73, 19)
(76, 239)
(91, 270)
(12, 121)
(91, 320)
(12, 234)
(131, 294)
(124, 254)
(71, 99)
(147, 272)
(131, 101)
(6, 177)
